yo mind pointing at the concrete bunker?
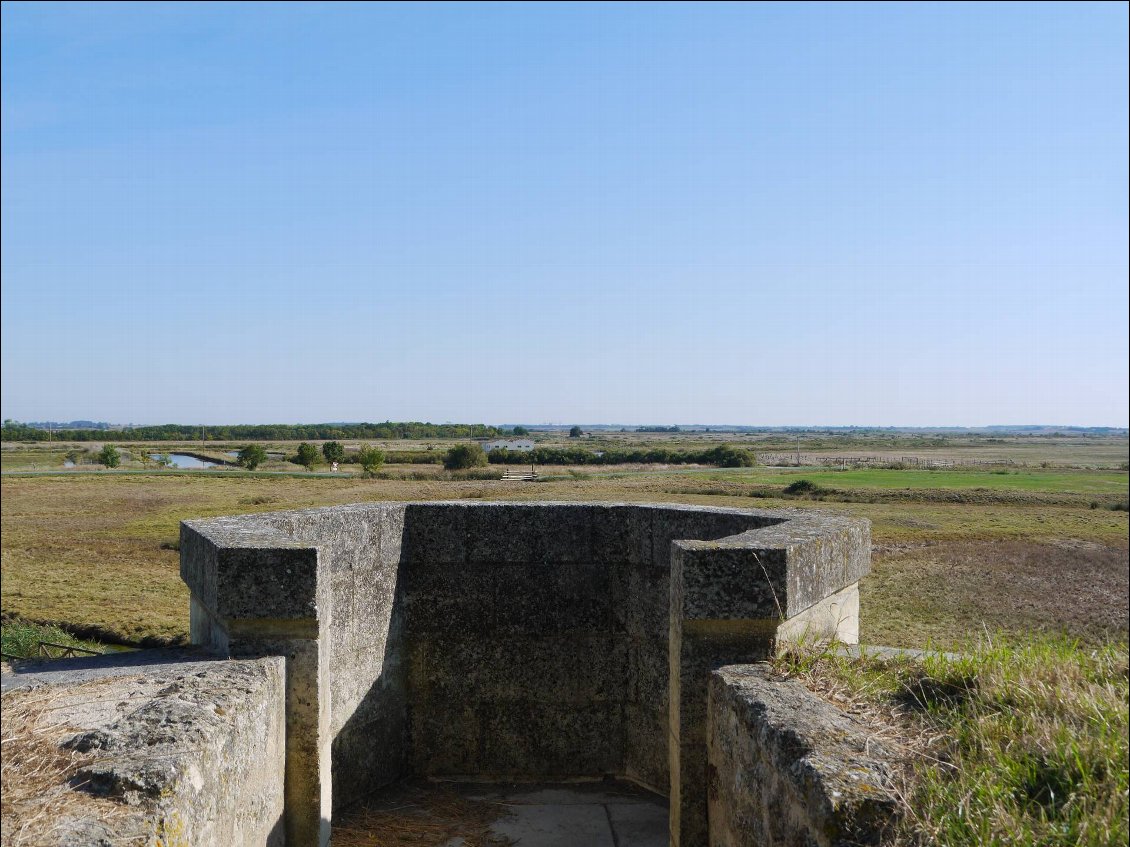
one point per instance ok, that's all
(511, 641)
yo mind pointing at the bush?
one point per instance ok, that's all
(463, 456)
(729, 456)
(307, 456)
(109, 456)
(370, 459)
(252, 456)
(333, 451)
(802, 487)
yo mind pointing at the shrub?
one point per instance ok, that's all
(307, 456)
(370, 459)
(802, 487)
(252, 456)
(463, 456)
(109, 456)
(333, 451)
(729, 456)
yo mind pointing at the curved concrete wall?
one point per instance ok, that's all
(510, 640)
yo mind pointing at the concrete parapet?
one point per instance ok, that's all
(788, 768)
(511, 640)
(733, 600)
(186, 749)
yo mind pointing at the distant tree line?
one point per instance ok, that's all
(466, 456)
(726, 456)
(389, 430)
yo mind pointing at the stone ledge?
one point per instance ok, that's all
(185, 748)
(786, 767)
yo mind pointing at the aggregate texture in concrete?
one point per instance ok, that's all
(787, 768)
(511, 640)
(189, 749)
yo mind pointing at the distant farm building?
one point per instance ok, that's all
(516, 444)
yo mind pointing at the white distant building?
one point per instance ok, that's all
(515, 444)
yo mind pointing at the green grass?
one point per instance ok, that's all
(91, 549)
(1015, 745)
(1050, 481)
(22, 639)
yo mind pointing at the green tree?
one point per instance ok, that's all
(333, 451)
(463, 456)
(164, 460)
(307, 455)
(371, 459)
(252, 456)
(576, 432)
(519, 430)
(109, 456)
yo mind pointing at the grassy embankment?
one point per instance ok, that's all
(954, 550)
(1008, 744)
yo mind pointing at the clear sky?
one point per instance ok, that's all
(751, 214)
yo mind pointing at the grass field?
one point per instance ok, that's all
(955, 550)
(1008, 743)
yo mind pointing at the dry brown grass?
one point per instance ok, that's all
(38, 788)
(941, 593)
(420, 815)
(97, 552)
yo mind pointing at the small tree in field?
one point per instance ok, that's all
(307, 455)
(333, 452)
(371, 459)
(576, 432)
(463, 456)
(110, 456)
(252, 456)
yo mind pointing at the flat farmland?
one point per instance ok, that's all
(956, 551)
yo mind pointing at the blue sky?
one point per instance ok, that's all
(754, 214)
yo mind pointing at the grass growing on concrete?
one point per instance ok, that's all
(39, 787)
(1012, 744)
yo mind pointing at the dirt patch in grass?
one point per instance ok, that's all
(944, 593)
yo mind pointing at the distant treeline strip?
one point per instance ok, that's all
(724, 456)
(14, 431)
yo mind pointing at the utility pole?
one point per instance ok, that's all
(798, 451)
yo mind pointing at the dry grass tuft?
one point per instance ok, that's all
(37, 776)
(415, 815)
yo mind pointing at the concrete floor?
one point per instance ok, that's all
(598, 814)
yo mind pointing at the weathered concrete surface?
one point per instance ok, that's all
(787, 768)
(510, 640)
(192, 748)
(577, 814)
(734, 600)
